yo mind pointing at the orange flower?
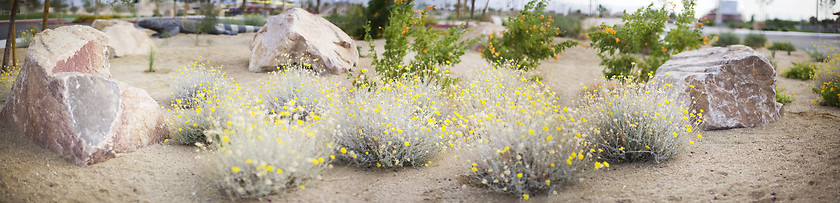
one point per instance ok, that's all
(664, 50)
(617, 40)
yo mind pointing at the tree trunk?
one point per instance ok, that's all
(95, 7)
(174, 8)
(458, 9)
(186, 8)
(318, 7)
(486, 4)
(11, 39)
(472, 12)
(46, 14)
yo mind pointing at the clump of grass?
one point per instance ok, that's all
(755, 40)
(253, 20)
(781, 46)
(783, 97)
(827, 82)
(726, 39)
(200, 97)
(518, 140)
(151, 59)
(398, 124)
(639, 122)
(261, 155)
(801, 70)
(295, 93)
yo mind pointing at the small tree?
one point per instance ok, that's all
(635, 48)
(529, 38)
(433, 52)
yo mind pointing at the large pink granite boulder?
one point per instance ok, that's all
(296, 35)
(65, 101)
(734, 86)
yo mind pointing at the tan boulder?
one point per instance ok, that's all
(101, 24)
(298, 35)
(66, 102)
(734, 86)
(127, 40)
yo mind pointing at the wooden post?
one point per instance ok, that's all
(11, 40)
(46, 14)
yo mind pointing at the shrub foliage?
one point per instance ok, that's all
(635, 47)
(528, 39)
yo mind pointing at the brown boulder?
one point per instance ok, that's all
(65, 101)
(296, 35)
(734, 86)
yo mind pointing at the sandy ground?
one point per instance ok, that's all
(794, 159)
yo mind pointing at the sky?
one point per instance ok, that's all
(782, 9)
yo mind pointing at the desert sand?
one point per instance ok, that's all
(796, 158)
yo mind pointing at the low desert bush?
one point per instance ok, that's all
(253, 20)
(200, 97)
(827, 81)
(781, 46)
(570, 26)
(528, 39)
(351, 23)
(783, 97)
(639, 122)
(433, 52)
(402, 123)
(726, 39)
(261, 155)
(296, 93)
(801, 70)
(636, 47)
(91, 18)
(755, 40)
(518, 140)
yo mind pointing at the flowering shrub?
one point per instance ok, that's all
(260, 154)
(636, 48)
(529, 38)
(827, 82)
(783, 97)
(518, 140)
(199, 100)
(639, 121)
(296, 93)
(399, 124)
(432, 51)
(801, 70)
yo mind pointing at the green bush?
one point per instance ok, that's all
(726, 39)
(528, 39)
(433, 53)
(253, 19)
(636, 47)
(91, 18)
(755, 40)
(781, 46)
(517, 138)
(827, 82)
(802, 70)
(570, 26)
(377, 14)
(639, 122)
(352, 23)
(783, 97)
